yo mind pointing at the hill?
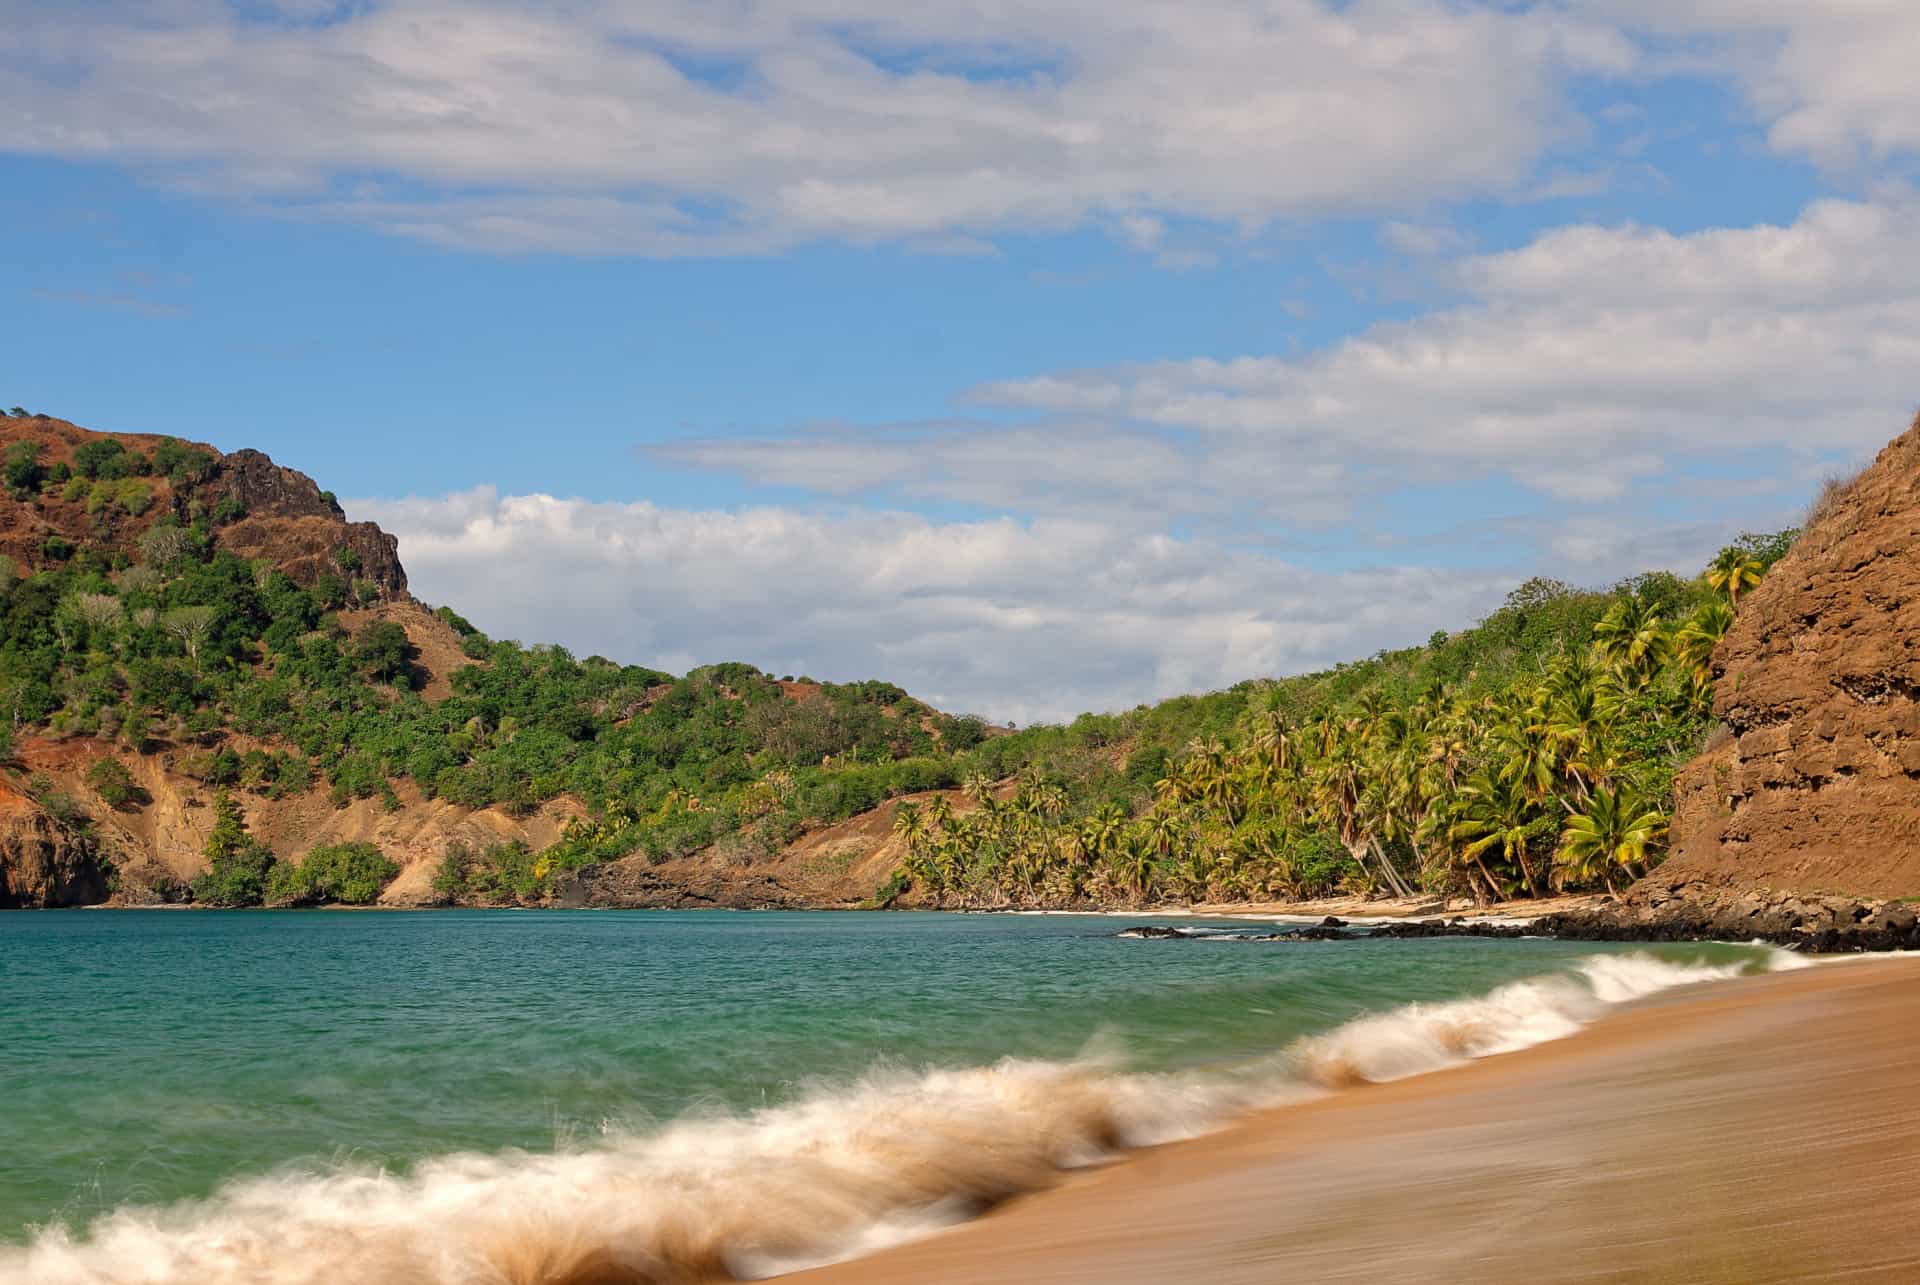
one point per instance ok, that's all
(221, 690)
(180, 626)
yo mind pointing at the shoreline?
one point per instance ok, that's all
(1755, 1129)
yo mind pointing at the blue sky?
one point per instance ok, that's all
(1037, 360)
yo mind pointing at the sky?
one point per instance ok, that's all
(1038, 357)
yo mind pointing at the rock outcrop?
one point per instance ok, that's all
(288, 520)
(43, 864)
(1813, 786)
(302, 530)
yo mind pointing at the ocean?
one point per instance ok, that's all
(550, 1095)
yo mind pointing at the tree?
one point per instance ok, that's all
(238, 865)
(1629, 637)
(165, 547)
(347, 874)
(1496, 818)
(21, 467)
(1613, 836)
(191, 626)
(1694, 641)
(1734, 570)
(102, 613)
(384, 651)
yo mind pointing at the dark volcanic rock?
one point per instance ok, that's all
(302, 530)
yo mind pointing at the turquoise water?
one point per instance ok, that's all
(151, 1057)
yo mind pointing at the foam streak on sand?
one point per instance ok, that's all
(837, 1174)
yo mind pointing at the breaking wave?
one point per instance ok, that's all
(835, 1175)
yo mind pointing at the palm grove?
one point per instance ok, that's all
(1534, 751)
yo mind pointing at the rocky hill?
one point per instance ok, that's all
(1810, 795)
(74, 488)
(180, 625)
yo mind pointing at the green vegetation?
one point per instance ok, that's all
(1531, 754)
(238, 865)
(346, 874)
(115, 785)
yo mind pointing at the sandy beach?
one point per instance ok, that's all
(1762, 1129)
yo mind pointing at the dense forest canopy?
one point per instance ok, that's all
(1533, 751)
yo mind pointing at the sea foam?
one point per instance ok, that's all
(839, 1173)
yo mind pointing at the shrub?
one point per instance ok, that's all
(182, 464)
(450, 878)
(238, 878)
(22, 469)
(134, 495)
(115, 785)
(347, 874)
(108, 459)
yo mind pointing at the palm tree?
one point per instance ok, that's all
(1494, 817)
(1629, 637)
(939, 813)
(1735, 569)
(1340, 791)
(1133, 868)
(1614, 833)
(1695, 640)
(1105, 830)
(911, 827)
(1162, 831)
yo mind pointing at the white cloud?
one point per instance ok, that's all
(1584, 361)
(680, 126)
(1009, 619)
(1832, 80)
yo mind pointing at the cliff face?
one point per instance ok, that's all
(288, 521)
(42, 864)
(1817, 791)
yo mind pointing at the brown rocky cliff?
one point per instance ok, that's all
(301, 530)
(289, 520)
(1814, 787)
(43, 864)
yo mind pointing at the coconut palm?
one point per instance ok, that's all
(1734, 570)
(1694, 641)
(1615, 835)
(1497, 817)
(1631, 639)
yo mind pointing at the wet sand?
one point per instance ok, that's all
(1765, 1129)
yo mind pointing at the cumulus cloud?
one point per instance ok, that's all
(1015, 620)
(683, 127)
(1832, 82)
(1581, 366)
(1589, 358)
